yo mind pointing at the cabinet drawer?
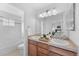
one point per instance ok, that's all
(32, 42)
(62, 51)
(44, 51)
(53, 54)
(41, 54)
(42, 45)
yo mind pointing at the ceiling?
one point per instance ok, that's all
(40, 7)
(33, 6)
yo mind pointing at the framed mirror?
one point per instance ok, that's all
(63, 21)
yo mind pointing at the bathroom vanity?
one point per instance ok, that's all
(41, 48)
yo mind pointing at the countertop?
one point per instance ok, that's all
(71, 46)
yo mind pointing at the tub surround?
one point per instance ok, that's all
(70, 46)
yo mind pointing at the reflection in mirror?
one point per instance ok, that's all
(53, 24)
(60, 24)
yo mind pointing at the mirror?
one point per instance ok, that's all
(53, 25)
(60, 24)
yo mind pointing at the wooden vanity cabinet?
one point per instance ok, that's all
(41, 49)
(32, 48)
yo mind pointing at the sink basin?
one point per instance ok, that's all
(59, 42)
(35, 37)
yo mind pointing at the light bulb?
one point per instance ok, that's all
(49, 13)
(41, 15)
(45, 14)
(54, 12)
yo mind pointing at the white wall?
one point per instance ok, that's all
(10, 37)
(74, 34)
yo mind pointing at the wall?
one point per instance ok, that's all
(74, 34)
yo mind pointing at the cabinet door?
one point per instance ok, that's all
(32, 50)
(42, 50)
(62, 51)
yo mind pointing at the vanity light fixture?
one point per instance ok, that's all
(48, 13)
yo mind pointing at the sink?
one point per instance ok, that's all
(35, 37)
(59, 42)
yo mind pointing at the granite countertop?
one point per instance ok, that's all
(71, 45)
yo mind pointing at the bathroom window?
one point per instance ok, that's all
(8, 22)
(5, 22)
